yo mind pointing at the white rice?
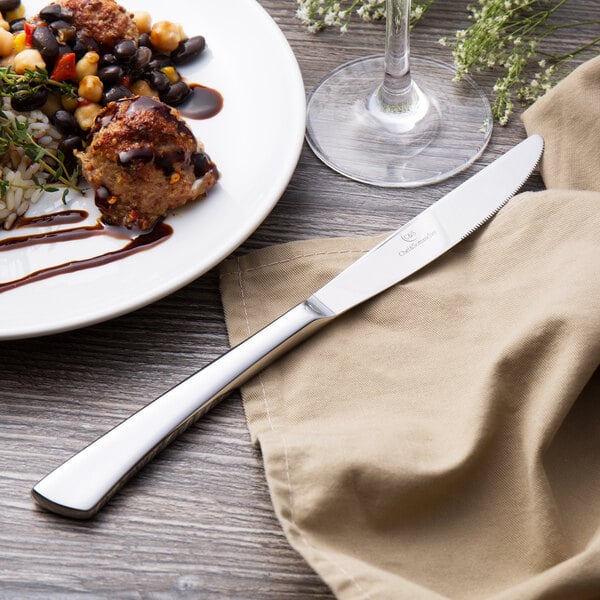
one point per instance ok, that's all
(18, 170)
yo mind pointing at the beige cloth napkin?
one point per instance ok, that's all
(443, 440)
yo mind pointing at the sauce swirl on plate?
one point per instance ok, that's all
(143, 241)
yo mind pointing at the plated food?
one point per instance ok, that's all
(90, 88)
(255, 139)
(143, 161)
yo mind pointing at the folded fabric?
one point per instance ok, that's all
(443, 439)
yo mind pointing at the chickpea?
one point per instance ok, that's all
(28, 59)
(143, 88)
(143, 21)
(87, 65)
(17, 13)
(4, 23)
(8, 61)
(53, 103)
(7, 42)
(165, 36)
(91, 88)
(86, 114)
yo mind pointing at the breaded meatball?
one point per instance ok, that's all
(103, 20)
(144, 161)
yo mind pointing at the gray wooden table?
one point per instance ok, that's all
(197, 522)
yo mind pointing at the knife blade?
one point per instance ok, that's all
(82, 485)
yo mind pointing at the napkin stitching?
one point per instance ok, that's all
(246, 317)
(286, 260)
(299, 532)
(243, 295)
(290, 486)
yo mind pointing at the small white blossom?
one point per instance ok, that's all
(503, 35)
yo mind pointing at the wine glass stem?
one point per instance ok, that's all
(397, 91)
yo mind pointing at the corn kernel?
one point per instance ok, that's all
(143, 88)
(175, 177)
(20, 42)
(171, 73)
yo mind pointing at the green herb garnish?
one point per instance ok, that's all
(32, 81)
(15, 134)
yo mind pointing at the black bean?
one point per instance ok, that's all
(116, 92)
(43, 39)
(158, 80)
(188, 50)
(142, 58)
(176, 93)
(108, 59)
(6, 5)
(160, 61)
(64, 49)
(17, 25)
(85, 44)
(202, 164)
(56, 12)
(69, 144)
(25, 102)
(65, 122)
(111, 74)
(145, 40)
(136, 155)
(125, 50)
(102, 196)
(63, 31)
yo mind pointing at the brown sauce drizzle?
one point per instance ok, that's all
(64, 217)
(143, 241)
(64, 235)
(202, 103)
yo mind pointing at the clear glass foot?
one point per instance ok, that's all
(442, 128)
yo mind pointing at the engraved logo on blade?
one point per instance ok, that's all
(409, 236)
(416, 242)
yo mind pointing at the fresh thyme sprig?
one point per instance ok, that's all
(15, 134)
(32, 81)
(319, 14)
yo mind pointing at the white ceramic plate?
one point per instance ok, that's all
(255, 141)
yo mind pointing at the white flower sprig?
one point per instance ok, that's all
(504, 35)
(508, 35)
(319, 14)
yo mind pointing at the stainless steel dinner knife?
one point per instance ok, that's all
(83, 484)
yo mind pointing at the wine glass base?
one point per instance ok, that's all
(351, 132)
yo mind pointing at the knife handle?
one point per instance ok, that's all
(81, 486)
